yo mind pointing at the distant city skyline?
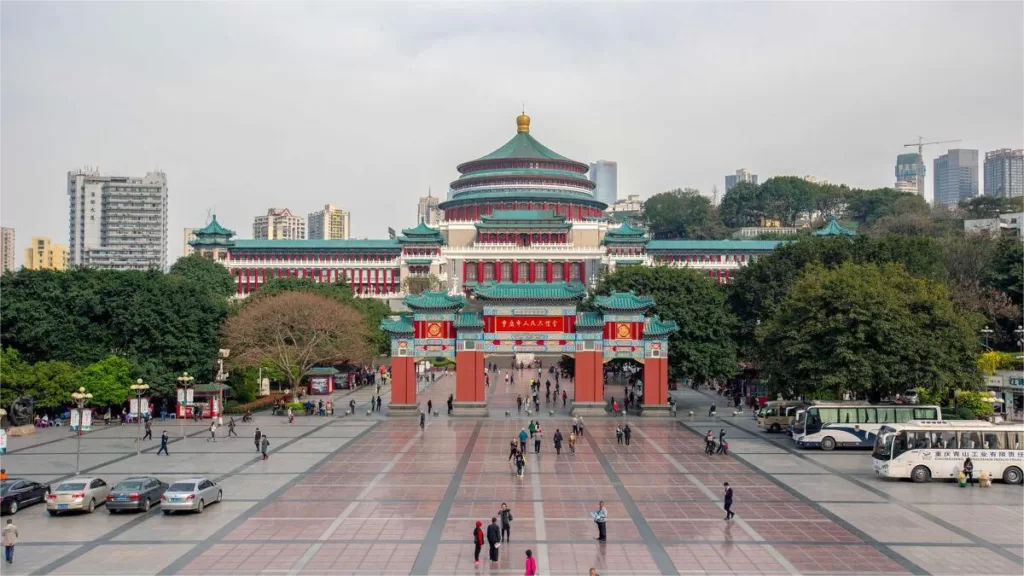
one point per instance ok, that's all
(956, 176)
(605, 173)
(337, 115)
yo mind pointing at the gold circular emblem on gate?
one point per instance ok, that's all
(623, 331)
(434, 330)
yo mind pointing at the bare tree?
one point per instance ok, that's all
(295, 331)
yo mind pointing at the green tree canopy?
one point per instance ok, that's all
(205, 273)
(703, 348)
(681, 213)
(869, 329)
(109, 381)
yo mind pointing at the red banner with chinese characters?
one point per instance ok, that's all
(528, 324)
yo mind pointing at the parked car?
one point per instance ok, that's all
(82, 493)
(135, 494)
(190, 494)
(16, 493)
(911, 397)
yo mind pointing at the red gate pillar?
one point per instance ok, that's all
(403, 386)
(470, 395)
(589, 385)
(655, 387)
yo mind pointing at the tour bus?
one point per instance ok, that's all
(779, 414)
(922, 450)
(828, 425)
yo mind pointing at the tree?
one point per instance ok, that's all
(53, 384)
(742, 206)
(703, 348)
(419, 284)
(786, 198)
(206, 273)
(1007, 271)
(681, 213)
(873, 330)
(990, 206)
(295, 331)
(15, 377)
(109, 381)
(868, 206)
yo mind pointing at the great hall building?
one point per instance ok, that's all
(521, 214)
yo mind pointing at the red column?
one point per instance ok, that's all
(655, 381)
(238, 281)
(565, 271)
(403, 381)
(589, 385)
(465, 271)
(551, 267)
(480, 272)
(533, 272)
(469, 376)
(497, 271)
(515, 271)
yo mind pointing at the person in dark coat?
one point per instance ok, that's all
(494, 539)
(728, 502)
(256, 437)
(627, 433)
(558, 441)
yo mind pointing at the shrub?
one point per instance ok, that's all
(255, 405)
(974, 402)
(295, 406)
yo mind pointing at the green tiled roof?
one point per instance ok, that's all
(656, 327)
(523, 146)
(397, 325)
(834, 229)
(724, 245)
(468, 320)
(506, 194)
(624, 301)
(627, 231)
(214, 229)
(435, 300)
(322, 371)
(316, 244)
(534, 291)
(519, 215)
(628, 261)
(211, 387)
(418, 261)
(527, 172)
(590, 320)
(421, 234)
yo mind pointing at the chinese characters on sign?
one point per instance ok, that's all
(978, 454)
(528, 324)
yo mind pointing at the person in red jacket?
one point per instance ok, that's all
(478, 541)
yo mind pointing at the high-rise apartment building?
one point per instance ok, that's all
(605, 174)
(7, 248)
(330, 224)
(908, 178)
(426, 210)
(44, 255)
(956, 177)
(189, 235)
(741, 176)
(1004, 173)
(118, 222)
(279, 224)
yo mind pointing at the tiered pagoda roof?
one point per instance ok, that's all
(213, 234)
(626, 234)
(589, 321)
(834, 229)
(435, 300)
(421, 234)
(535, 219)
(624, 301)
(554, 291)
(397, 325)
(469, 321)
(655, 327)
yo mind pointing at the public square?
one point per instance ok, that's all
(373, 495)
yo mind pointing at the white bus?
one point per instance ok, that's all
(829, 425)
(925, 450)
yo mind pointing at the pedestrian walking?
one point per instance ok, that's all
(520, 464)
(213, 431)
(264, 444)
(319, 409)
(558, 442)
(10, 537)
(478, 542)
(721, 441)
(505, 514)
(522, 439)
(600, 517)
(163, 444)
(256, 438)
(575, 425)
(378, 403)
(728, 502)
(580, 426)
(711, 410)
(423, 420)
(494, 540)
(536, 440)
(572, 443)
(533, 428)
(430, 406)
(709, 443)
(627, 433)
(565, 397)
(618, 434)
(231, 427)
(531, 564)
(451, 403)
(149, 431)
(519, 404)
(969, 471)
(615, 407)
(291, 416)
(352, 406)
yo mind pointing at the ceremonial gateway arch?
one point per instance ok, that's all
(528, 318)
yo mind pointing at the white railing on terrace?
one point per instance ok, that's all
(497, 247)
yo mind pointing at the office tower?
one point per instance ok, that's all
(741, 176)
(279, 224)
(43, 255)
(426, 210)
(330, 224)
(956, 177)
(1004, 173)
(190, 235)
(907, 178)
(7, 248)
(118, 222)
(605, 174)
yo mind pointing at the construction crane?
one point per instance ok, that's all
(920, 159)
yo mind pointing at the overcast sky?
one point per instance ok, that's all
(251, 105)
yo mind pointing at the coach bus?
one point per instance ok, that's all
(779, 415)
(831, 425)
(922, 450)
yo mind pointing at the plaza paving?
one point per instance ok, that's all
(369, 495)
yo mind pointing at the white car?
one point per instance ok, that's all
(911, 397)
(190, 494)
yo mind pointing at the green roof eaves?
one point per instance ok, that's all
(506, 194)
(656, 327)
(624, 301)
(834, 229)
(316, 244)
(469, 320)
(531, 291)
(435, 300)
(523, 146)
(322, 371)
(590, 320)
(419, 261)
(214, 229)
(397, 325)
(766, 245)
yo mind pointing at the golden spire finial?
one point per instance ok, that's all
(523, 123)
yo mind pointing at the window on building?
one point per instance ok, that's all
(524, 271)
(506, 271)
(471, 272)
(541, 274)
(557, 272)
(489, 271)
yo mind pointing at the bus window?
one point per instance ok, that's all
(886, 414)
(944, 439)
(848, 415)
(899, 445)
(825, 415)
(1013, 440)
(994, 440)
(970, 440)
(866, 415)
(904, 414)
(925, 414)
(919, 439)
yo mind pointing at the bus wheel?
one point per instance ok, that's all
(1012, 475)
(921, 474)
(774, 428)
(828, 444)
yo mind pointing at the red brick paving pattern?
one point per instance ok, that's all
(842, 559)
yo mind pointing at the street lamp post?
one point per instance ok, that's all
(139, 388)
(80, 397)
(184, 381)
(986, 332)
(221, 376)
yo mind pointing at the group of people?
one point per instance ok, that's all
(711, 448)
(320, 408)
(498, 534)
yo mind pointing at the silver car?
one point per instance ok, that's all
(190, 494)
(82, 493)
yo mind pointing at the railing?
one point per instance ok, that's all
(496, 247)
